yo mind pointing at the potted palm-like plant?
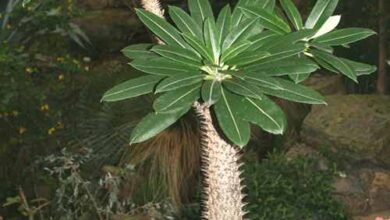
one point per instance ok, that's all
(226, 67)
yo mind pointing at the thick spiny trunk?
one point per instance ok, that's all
(221, 169)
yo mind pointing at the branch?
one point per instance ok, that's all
(154, 6)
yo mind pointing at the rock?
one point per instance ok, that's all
(327, 84)
(109, 30)
(354, 127)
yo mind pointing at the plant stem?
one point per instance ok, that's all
(221, 169)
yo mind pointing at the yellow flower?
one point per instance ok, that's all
(51, 131)
(22, 130)
(29, 70)
(61, 77)
(45, 107)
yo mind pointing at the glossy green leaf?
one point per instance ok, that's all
(178, 81)
(132, 88)
(286, 40)
(139, 51)
(235, 50)
(154, 123)
(294, 66)
(212, 40)
(211, 91)
(264, 38)
(337, 63)
(185, 22)
(239, 34)
(298, 78)
(285, 89)
(325, 65)
(180, 55)
(228, 110)
(360, 68)
(344, 36)
(177, 99)
(224, 23)
(165, 31)
(163, 66)
(243, 88)
(292, 13)
(322, 10)
(278, 54)
(248, 58)
(199, 46)
(265, 114)
(237, 15)
(267, 19)
(322, 47)
(200, 10)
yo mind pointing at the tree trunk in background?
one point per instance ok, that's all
(221, 169)
(381, 83)
(220, 161)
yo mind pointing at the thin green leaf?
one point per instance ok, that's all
(360, 68)
(337, 63)
(165, 31)
(243, 88)
(344, 36)
(163, 66)
(264, 38)
(285, 89)
(265, 114)
(322, 10)
(239, 34)
(132, 88)
(154, 123)
(200, 10)
(211, 91)
(180, 55)
(224, 23)
(228, 112)
(268, 20)
(248, 58)
(292, 13)
(185, 22)
(298, 78)
(235, 50)
(177, 99)
(178, 81)
(199, 46)
(139, 51)
(287, 40)
(293, 66)
(212, 40)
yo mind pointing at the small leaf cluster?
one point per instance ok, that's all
(234, 61)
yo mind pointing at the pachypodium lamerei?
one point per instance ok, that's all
(228, 66)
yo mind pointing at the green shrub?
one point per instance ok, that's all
(279, 188)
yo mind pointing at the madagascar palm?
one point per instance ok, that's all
(227, 66)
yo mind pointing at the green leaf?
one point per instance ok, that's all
(280, 42)
(224, 23)
(360, 68)
(292, 13)
(337, 63)
(265, 114)
(294, 66)
(239, 34)
(163, 67)
(139, 51)
(132, 88)
(248, 58)
(325, 65)
(178, 81)
(285, 89)
(322, 47)
(185, 22)
(298, 78)
(180, 55)
(322, 10)
(237, 15)
(344, 36)
(212, 40)
(199, 46)
(268, 20)
(200, 10)
(165, 31)
(211, 91)
(154, 123)
(228, 112)
(235, 50)
(177, 99)
(264, 38)
(243, 88)
(278, 54)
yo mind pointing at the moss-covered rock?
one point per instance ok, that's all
(355, 127)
